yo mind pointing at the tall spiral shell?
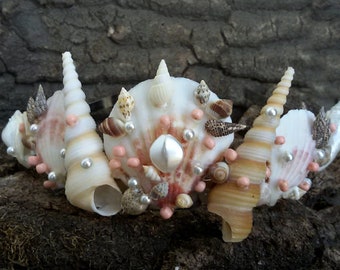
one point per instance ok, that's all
(89, 184)
(230, 200)
(161, 89)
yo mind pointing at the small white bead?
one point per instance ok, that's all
(86, 163)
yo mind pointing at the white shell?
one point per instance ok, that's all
(166, 153)
(89, 185)
(171, 138)
(50, 137)
(161, 89)
(184, 201)
(290, 160)
(12, 138)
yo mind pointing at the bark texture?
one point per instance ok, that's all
(241, 49)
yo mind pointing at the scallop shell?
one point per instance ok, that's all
(169, 139)
(232, 201)
(50, 138)
(289, 161)
(89, 184)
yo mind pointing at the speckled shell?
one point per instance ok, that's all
(333, 146)
(289, 161)
(168, 142)
(232, 202)
(50, 137)
(89, 184)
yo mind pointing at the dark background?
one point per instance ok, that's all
(241, 49)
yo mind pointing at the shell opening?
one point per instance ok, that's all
(106, 200)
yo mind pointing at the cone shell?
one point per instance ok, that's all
(169, 142)
(232, 202)
(89, 184)
(161, 89)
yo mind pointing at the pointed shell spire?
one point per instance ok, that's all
(126, 104)
(202, 94)
(233, 202)
(161, 89)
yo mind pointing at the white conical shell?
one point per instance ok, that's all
(89, 184)
(166, 153)
(290, 160)
(162, 87)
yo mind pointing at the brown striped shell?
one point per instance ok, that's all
(112, 126)
(221, 108)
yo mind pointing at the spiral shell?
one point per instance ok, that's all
(202, 94)
(161, 89)
(233, 202)
(184, 201)
(126, 104)
(89, 184)
(113, 127)
(321, 129)
(219, 128)
(151, 173)
(219, 172)
(221, 108)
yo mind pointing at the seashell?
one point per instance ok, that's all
(159, 191)
(131, 202)
(219, 172)
(221, 108)
(289, 161)
(169, 143)
(89, 184)
(202, 94)
(219, 128)
(30, 110)
(161, 89)
(113, 127)
(184, 201)
(151, 173)
(166, 153)
(232, 201)
(126, 104)
(14, 138)
(321, 130)
(40, 103)
(331, 150)
(50, 138)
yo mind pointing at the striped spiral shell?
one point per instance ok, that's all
(232, 202)
(89, 184)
